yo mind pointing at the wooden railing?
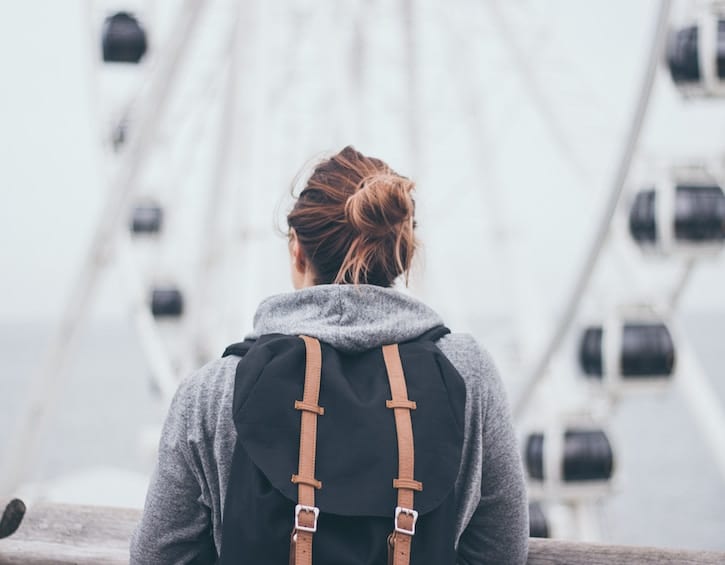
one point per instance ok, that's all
(62, 534)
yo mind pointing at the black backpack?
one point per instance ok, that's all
(356, 504)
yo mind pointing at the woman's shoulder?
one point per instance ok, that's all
(206, 392)
(474, 363)
(210, 379)
(467, 355)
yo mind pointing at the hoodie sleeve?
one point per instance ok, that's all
(493, 507)
(499, 529)
(176, 525)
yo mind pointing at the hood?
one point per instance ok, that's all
(348, 317)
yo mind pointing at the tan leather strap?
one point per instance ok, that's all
(405, 517)
(306, 512)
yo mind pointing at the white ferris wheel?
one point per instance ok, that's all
(565, 246)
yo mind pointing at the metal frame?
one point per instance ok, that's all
(601, 234)
(47, 382)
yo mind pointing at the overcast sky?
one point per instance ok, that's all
(50, 179)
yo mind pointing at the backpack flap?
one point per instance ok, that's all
(357, 454)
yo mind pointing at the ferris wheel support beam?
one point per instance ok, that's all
(588, 523)
(46, 385)
(202, 330)
(253, 144)
(162, 370)
(533, 87)
(703, 400)
(494, 208)
(694, 384)
(601, 234)
(681, 284)
(358, 78)
(411, 65)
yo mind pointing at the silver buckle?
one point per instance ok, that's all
(400, 510)
(300, 508)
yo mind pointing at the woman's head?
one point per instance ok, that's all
(354, 222)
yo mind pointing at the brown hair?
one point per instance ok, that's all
(354, 221)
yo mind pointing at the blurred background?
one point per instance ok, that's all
(569, 159)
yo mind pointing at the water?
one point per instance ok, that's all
(105, 409)
(96, 447)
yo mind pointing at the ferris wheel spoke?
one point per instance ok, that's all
(599, 240)
(46, 385)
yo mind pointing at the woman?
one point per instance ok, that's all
(351, 235)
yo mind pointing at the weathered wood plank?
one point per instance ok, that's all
(62, 534)
(39, 553)
(65, 534)
(560, 552)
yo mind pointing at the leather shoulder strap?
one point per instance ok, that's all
(306, 512)
(400, 539)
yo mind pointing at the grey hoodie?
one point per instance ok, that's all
(185, 501)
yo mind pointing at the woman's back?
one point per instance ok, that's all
(186, 501)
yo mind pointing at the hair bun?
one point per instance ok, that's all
(382, 203)
(354, 221)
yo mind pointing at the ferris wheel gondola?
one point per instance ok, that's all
(570, 459)
(124, 39)
(146, 219)
(167, 302)
(683, 214)
(538, 523)
(696, 53)
(632, 349)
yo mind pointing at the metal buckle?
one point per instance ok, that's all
(400, 510)
(302, 508)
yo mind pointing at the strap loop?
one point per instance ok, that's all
(408, 483)
(302, 405)
(296, 479)
(409, 404)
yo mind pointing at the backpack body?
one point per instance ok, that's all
(357, 453)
